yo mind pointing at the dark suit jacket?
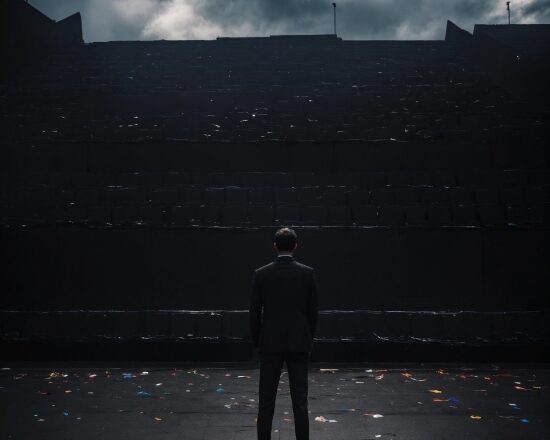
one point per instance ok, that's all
(286, 290)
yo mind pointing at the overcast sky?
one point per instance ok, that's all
(105, 20)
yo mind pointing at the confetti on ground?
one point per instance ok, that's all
(410, 376)
(517, 387)
(323, 419)
(56, 395)
(374, 416)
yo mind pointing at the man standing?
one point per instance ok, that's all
(286, 290)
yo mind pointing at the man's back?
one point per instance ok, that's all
(287, 292)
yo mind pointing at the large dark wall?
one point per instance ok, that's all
(206, 268)
(27, 36)
(507, 150)
(516, 56)
(142, 183)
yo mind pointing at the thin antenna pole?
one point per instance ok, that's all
(334, 7)
(508, 7)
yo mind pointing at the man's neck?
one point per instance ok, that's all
(285, 253)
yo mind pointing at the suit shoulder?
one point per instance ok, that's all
(263, 268)
(304, 267)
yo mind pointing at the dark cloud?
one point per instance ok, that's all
(540, 9)
(357, 19)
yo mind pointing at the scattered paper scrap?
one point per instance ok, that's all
(410, 376)
(374, 416)
(517, 387)
(323, 419)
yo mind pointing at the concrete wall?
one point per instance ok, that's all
(210, 268)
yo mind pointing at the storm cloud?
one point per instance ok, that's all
(105, 20)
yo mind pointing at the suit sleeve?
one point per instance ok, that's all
(313, 304)
(255, 311)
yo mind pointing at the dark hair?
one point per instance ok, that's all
(285, 239)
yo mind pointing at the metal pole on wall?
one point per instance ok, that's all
(334, 7)
(508, 7)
